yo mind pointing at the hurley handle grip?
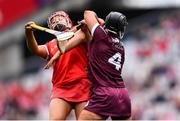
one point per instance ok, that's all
(38, 27)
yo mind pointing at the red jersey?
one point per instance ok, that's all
(69, 70)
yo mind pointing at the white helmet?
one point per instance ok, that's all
(59, 21)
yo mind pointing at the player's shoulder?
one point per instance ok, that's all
(98, 26)
(98, 30)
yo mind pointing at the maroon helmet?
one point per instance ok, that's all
(116, 23)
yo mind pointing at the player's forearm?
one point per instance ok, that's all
(73, 42)
(31, 41)
(101, 21)
(91, 19)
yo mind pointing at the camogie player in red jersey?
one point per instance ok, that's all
(69, 79)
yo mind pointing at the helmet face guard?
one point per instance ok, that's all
(116, 23)
(59, 21)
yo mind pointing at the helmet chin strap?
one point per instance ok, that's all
(121, 35)
(111, 31)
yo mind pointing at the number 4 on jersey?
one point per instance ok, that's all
(115, 60)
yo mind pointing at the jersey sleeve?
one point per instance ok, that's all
(98, 32)
(51, 49)
(47, 51)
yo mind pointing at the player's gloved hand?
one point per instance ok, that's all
(28, 26)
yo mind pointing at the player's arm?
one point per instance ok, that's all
(32, 44)
(86, 30)
(78, 38)
(101, 21)
(91, 19)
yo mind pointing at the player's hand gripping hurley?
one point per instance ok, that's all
(61, 36)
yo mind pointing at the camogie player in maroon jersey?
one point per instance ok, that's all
(106, 56)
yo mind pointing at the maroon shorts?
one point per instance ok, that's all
(107, 101)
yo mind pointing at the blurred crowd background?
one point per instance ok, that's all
(152, 63)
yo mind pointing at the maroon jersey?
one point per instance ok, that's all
(106, 59)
